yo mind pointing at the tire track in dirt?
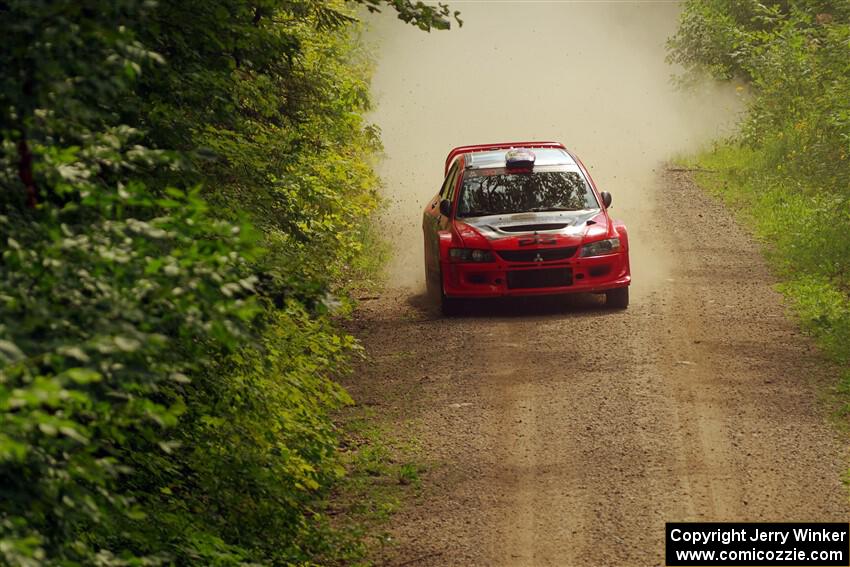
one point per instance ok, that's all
(561, 434)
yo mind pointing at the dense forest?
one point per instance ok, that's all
(788, 171)
(186, 195)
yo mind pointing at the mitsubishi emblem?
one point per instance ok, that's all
(538, 258)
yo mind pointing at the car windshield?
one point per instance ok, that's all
(501, 191)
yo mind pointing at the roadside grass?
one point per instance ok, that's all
(805, 235)
(382, 472)
(381, 463)
(368, 268)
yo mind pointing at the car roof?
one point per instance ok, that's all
(503, 146)
(496, 158)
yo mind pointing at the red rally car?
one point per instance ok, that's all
(519, 219)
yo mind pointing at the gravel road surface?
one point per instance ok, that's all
(559, 433)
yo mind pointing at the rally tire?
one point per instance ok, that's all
(449, 306)
(617, 298)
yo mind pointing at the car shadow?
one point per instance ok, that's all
(510, 307)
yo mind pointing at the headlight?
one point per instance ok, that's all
(601, 247)
(470, 255)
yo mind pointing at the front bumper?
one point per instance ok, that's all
(500, 278)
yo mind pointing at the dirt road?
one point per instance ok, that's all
(559, 433)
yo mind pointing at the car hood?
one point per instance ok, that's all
(555, 227)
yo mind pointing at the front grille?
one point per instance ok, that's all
(539, 255)
(528, 279)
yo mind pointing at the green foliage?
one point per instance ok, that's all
(282, 139)
(256, 448)
(109, 303)
(794, 54)
(711, 38)
(422, 15)
(186, 188)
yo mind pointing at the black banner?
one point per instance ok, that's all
(693, 544)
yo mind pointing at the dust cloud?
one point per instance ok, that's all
(589, 74)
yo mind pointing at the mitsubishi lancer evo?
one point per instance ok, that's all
(521, 219)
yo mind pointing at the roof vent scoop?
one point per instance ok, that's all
(519, 158)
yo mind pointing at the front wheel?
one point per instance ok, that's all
(449, 306)
(617, 298)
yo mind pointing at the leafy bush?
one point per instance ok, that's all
(185, 187)
(794, 54)
(109, 302)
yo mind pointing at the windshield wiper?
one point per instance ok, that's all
(474, 213)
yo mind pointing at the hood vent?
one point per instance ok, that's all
(534, 227)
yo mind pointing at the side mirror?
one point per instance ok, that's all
(446, 208)
(606, 198)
